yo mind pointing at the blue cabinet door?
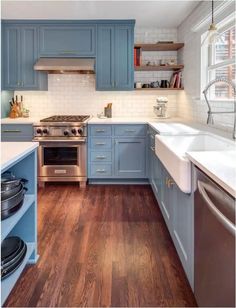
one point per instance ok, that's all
(29, 53)
(105, 78)
(124, 64)
(67, 41)
(130, 158)
(114, 62)
(19, 54)
(11, 58)
(183, 238)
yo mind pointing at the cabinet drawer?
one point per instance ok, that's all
(100, 130)
(100, 170)
(15, 132)
(100, 156)
(100, 143)
(130, 130)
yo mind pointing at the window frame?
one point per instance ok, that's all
(208, 56)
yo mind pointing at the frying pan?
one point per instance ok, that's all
(10, 248)
(11, 192)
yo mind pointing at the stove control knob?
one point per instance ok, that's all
(73, 131)
(39, 131)
(45, 131)
(66, 133)
(80, 131)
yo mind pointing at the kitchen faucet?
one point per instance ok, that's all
(210, 119)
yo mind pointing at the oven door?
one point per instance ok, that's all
(62, 159)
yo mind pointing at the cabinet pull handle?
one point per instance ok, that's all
(152, 148)
(22, 83)
(113, 84)
(68, 52)
(100, 130)
(12, 131)
(18, 83)
(101, 157)
(169, 182)
(130, 130)
(101, 170)
(100, 143)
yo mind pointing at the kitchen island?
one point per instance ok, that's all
(20, 158)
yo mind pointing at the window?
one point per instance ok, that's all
(221, 63)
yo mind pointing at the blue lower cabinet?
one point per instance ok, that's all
(130, 158)
(100, 170)
(16, 132)
(177, 210)
(116, 157)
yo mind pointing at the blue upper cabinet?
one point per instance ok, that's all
(114, 62)
(124, 63)
(67, 41)
(105, 62)
(10, 58)
(19, 53)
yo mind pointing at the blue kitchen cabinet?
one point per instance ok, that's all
(16, 132)
(130, 158)
(114, 62)
(117, 152)
(19, 54)
(105, 61)
(58, 40)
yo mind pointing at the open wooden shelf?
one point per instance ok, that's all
(160, 46)
(159, 67)
(159, 89)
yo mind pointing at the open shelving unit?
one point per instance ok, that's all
(24, 222)
(151, 68)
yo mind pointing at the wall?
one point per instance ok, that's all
(75, 94)
(190, 104)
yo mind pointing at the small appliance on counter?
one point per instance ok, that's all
(160, 109)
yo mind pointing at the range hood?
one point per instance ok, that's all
(65, 65)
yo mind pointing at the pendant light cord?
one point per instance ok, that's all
(212, 11)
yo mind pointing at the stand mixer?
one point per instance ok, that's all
(160, 109)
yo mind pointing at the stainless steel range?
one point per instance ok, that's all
(62, 153)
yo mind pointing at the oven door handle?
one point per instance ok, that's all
(61, 141)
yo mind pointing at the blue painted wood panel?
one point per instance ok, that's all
(101, 170)
(101, 156)
(130, 130)
(16, 132)
(124, 63)
(10, 58)
(19, 54)
(130, 158)
(100, 130)
(105, 61)
(101, 143)
(67, 41)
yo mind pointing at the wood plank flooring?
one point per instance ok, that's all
(102, 246)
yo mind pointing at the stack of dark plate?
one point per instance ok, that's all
(13, 251)
(12, 195)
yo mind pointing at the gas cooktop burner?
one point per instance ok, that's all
(66, 118)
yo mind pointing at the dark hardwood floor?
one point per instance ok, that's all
(102, 246)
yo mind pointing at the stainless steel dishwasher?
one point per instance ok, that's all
(214, 244)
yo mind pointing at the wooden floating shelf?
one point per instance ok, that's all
(159, 67)
(160, 46)
(159, 89)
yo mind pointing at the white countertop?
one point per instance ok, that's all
(19, 120)
(219, 165)
(130, 120)
(13, 151)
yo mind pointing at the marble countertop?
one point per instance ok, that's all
(19, 120)
(127, 120)
(218, 165)
(11, 152)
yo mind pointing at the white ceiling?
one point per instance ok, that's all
(161, 14)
